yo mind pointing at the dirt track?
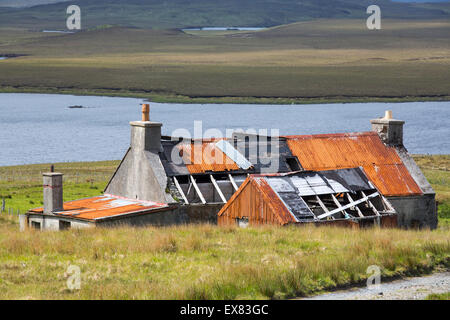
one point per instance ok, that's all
(405, 289)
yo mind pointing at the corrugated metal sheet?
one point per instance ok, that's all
(103, 207)
(315, 184)
(381, 163)
(233, 154)
(205, 157)
(277, 198)
(253, 157)
(275, 201)
(257, 201)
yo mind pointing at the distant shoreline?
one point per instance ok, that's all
(166, 98)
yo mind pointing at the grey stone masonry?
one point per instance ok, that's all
(389, 130)
(146, 135)
(53, 192)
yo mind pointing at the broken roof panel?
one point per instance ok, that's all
(104, 207)
(286, 204)
(222, 155)
(233, 154)
(202, 157)
(381, 163)
(295, 197)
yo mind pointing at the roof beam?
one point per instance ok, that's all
(357, 209)
(224, 200)
(388, 204)
(198, 190)
(180, 190)
(371, 205)
(233, 182)
(337, 203)
(322, 205)
(347, 206)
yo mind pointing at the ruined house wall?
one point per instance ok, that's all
(50, 223)
(177, 215)
(417, 211)
(138, 177)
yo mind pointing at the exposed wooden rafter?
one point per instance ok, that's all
(202, 199)
(224, 200)
(177, 184)
(352, 204)
(233, 182)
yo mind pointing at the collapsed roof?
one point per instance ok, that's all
(285, 154)
(307, 197)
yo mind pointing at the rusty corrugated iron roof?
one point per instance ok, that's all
(381, 163)
(287, 198)
(271, 198)
(104, 207)
(205, 157)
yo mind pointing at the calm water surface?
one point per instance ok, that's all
(40, 128)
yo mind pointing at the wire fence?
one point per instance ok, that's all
(4, 210)
(13, 180)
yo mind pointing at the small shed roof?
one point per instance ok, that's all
(104, 207)
(284, 192)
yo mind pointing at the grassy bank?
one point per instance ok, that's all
(167, 98)
(207, 262)
(203, 261)
(439, 296)
(309, 62)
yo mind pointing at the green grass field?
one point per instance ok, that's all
(305, 62)
(440, 296)
(209, 262)
(201, 261)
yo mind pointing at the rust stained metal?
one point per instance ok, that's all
(276, 199)
(205, 156)
(256, 200)
(381, 163)
(273, 201)
(103, 207)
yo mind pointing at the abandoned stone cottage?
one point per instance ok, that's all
(350, 178)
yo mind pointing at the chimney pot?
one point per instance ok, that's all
(145, 112)
(388, 114)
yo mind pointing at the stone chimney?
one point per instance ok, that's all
(53, 192)
(146, 135)
(389, 129)
(141, 174)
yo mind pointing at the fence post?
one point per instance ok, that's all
(3, 204)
